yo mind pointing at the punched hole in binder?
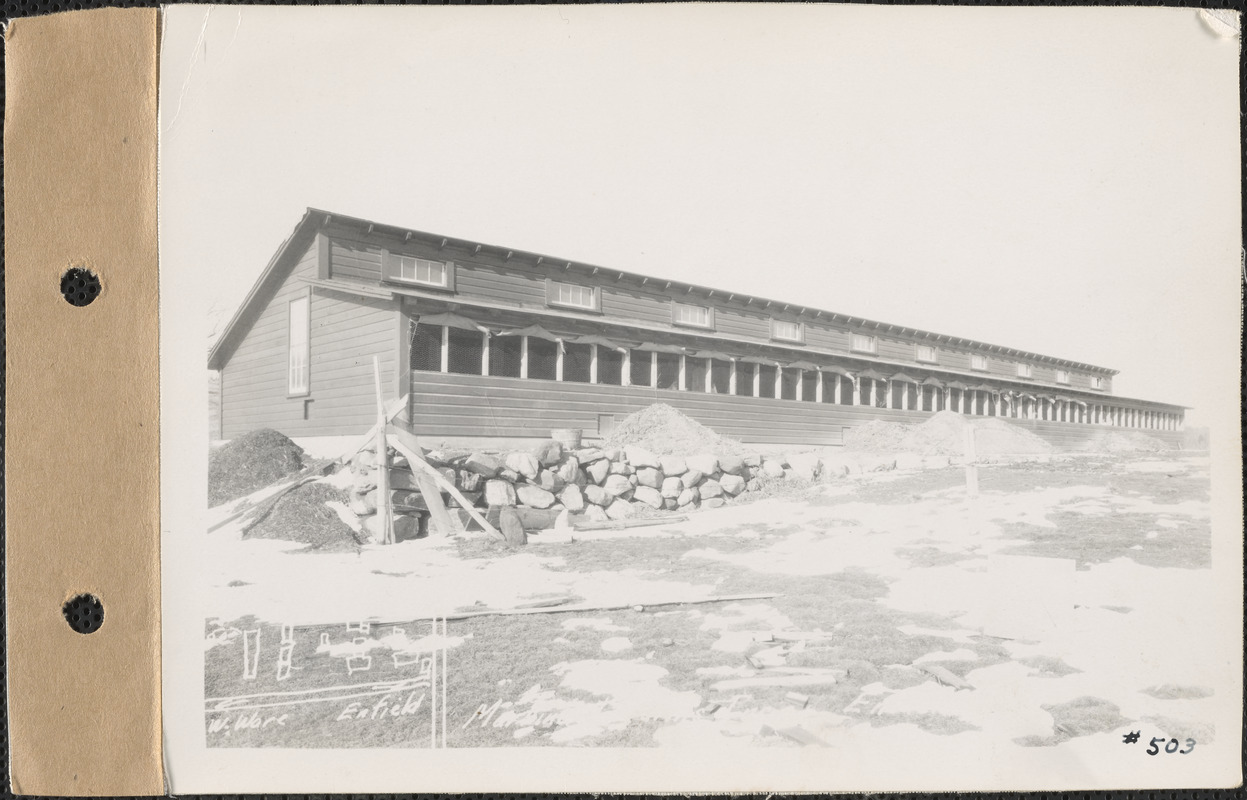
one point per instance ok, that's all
(80, 286)
(84, 613)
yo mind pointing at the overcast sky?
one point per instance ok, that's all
(1058, 180)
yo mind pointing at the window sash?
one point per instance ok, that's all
(925, 352)
(863, 343)
(978, 362)
(1062, 376)
(570, 294)
(299, 351)
(1024, 370)
(788, 331)
(422, 270)
(689, 314)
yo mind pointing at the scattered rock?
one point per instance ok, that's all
(499, 493)
(772, 468)
(649, 496)
(469, 481)
(688, 496)
(550, 481)
(523, 463)
(589, 455)
(754, 485)
(595, 514)
(509, 475)
(670, 504)
(692, 477)
(621, 468)
(804, 465)
(613, 453)
(534, 496)
(568, 470)
(733, 465)
(633, 479)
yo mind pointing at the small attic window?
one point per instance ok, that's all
(411, 269)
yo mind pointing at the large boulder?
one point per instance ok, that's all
(596, 514)
(509, 475)
(640, 457)
(649, 496)
(572, 498)
(671, 487)
(548, 453)
(589, 454)
(448, 474)
(612, 453)
(712, 502)
(648, 476)
(499, 493)
(534, 496)
(772, 468)
(688, 497)
(405, 527)
(621, 468)
(673, 465)
(732, 484)
(733, 465)
(524, 463)
(704, 463)
(692, 477)
(618, 485)
(710, 488)
(753, 461)
(598, 496)
(598, 470)
(550, 481)
(483, 464)
(568, 470)
(620, 509)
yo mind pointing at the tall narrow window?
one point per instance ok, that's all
(542, 358)
(1097, 382)
(610, 366)
(465, 352)
(426, 347)
(576, 358)
(642, 361)
(744, 378)
(505, 355)
(766, 383)
(300, 351)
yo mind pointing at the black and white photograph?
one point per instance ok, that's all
(692, 397)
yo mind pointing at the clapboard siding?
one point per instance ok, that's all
(354, 261)
(345, 335)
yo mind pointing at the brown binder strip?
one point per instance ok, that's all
(82, 434)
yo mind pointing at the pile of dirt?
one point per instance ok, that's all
(664, 430)
(944, 434)
(249, 463)
(302, 516)
(1126, 442)
(876, 436)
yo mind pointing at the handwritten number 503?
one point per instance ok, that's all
(1170, 747)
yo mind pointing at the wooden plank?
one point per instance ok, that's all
(384, 507)
(427, 481)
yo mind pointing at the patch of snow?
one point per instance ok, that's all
(616, 644)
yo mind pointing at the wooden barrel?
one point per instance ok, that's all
(568, 437)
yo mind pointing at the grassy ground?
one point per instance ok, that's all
(504, 683)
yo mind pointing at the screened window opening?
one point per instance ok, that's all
(543, 357)
(766, 386)
(505, 353)
(576, 358)
(641, 366)
(863, 396)
(668, 370)
(809, 386)
(788, 384)
(610, 366)
(720, 376)
(846, 391)
(300, 351)
(465, 352)
(897, 392)
(911, 395)
(744, 378)
(426, 347)
(695, 374)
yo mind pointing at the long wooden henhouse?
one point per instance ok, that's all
(502, 346)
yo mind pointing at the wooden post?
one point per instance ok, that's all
(800, 391)
(485, 353)
(683, 385)
(445, 348)
(838, 391)
(731, 378)
(972, 467)
(593, 363)
(558, 361)
(523, 356)
(709, 376)
(625, 372)
(384, 509)
(818, 387)
(757, 380)
(653, 370)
